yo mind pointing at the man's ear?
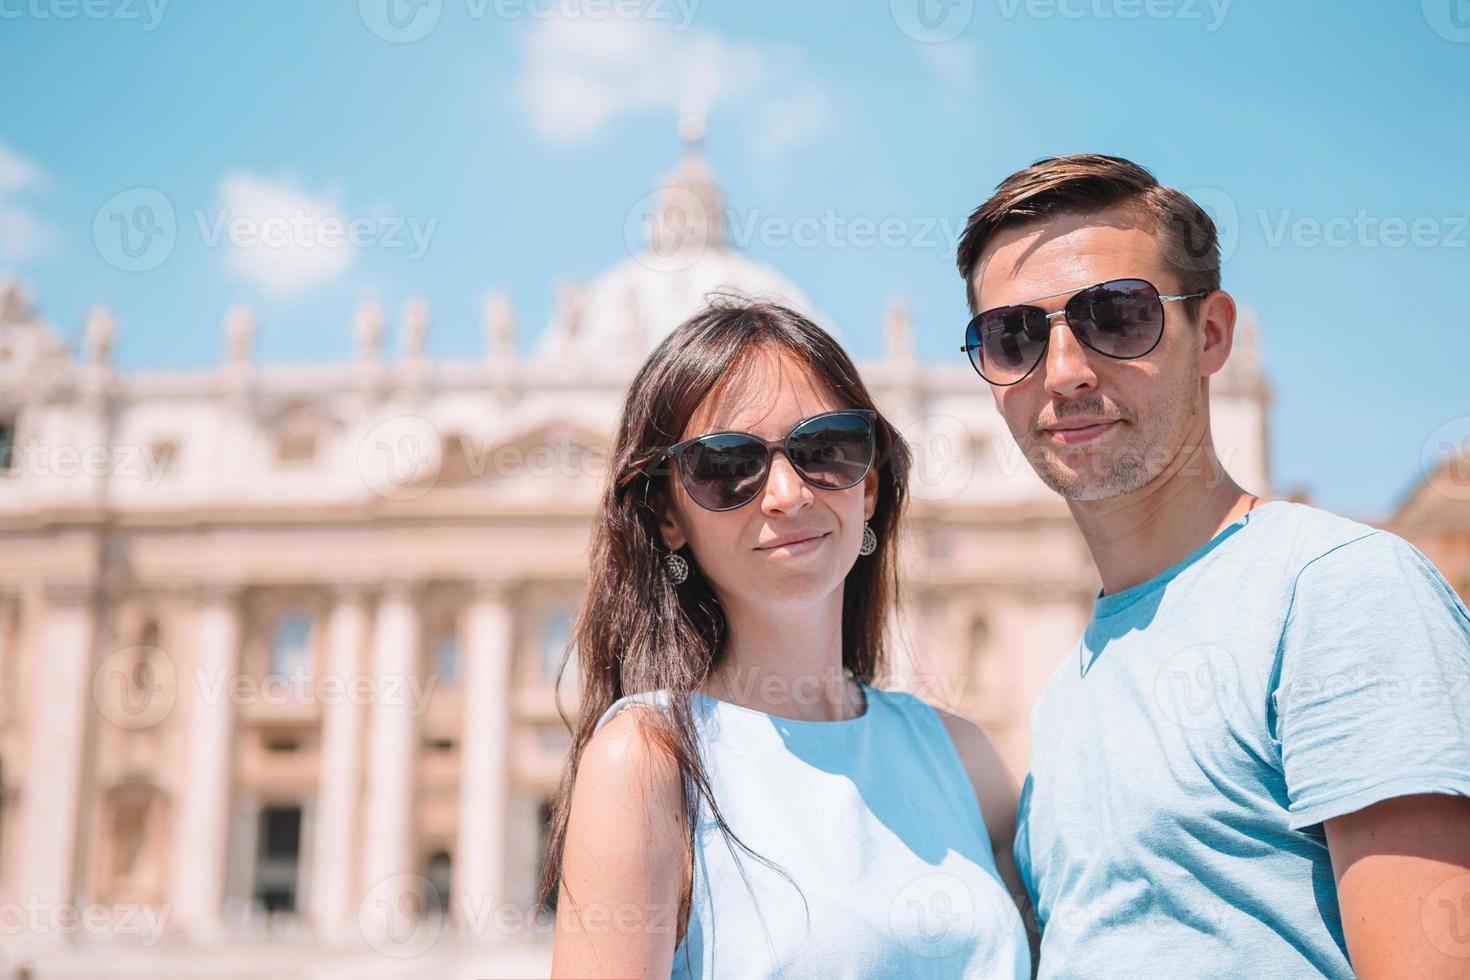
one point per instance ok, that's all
(1217, 331)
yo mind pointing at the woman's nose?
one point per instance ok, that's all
(785, 490)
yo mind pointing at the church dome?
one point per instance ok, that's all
(681, 258)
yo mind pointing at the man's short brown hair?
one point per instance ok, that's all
(1083, 183)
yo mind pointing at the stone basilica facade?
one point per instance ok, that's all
(277, 642)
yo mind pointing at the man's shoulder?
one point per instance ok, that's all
(1255, 589)
(1342, 564)
(1316, 526)
(1296, 535)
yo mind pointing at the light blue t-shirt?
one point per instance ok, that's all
(875, 822)
(1297, 667)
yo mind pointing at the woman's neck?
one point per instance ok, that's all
(787, 663)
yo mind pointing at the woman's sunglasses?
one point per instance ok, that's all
(1120, 318)
(726, 470)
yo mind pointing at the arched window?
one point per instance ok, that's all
(990, 673)
(439, 872)
(134, 828)
(7, 444)
(129, 823)
(299, 432)
(291, 646)
(4, 812)
(556, 634)
(544, 813)
(979, 636)
(446, 658)
(458, 462)
(144, 666)
(138, 683)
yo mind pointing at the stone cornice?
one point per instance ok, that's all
(71, 591)
(217, 592)
(494, 586)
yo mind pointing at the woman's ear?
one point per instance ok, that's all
(668, 524)
(870, 494)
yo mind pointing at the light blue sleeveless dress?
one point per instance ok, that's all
(875, 821)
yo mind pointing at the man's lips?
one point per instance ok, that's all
(1074, 431)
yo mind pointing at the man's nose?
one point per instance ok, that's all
(1068, 370)
(785, 491)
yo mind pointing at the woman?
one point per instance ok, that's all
(739, 801)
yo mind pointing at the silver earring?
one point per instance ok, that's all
(677, 568)
(870, 541)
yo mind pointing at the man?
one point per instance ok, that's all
(1256, 760)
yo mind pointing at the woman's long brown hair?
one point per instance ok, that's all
(637, 631)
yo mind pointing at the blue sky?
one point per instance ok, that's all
(506, 147)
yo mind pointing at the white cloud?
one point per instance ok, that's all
(277, 236)
(955, 63)
(955, 67)
(581, 75)
(16, 172)
(24, 234)
(793, 118)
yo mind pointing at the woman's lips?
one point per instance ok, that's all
(1088, 433)
(795, 549)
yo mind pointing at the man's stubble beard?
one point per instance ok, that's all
(1103, 474)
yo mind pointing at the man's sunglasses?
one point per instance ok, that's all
(1120, 318)
(726, 470)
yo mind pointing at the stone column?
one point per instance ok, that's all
(479, 860)
(388, 860)
(332, 907)
(51, 792)
(904, 670)
(201, 842)
(8, 605)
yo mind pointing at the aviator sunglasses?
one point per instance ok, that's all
(1121, 318)
(726, 470)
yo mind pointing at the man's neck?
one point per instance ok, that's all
(1138, 535)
